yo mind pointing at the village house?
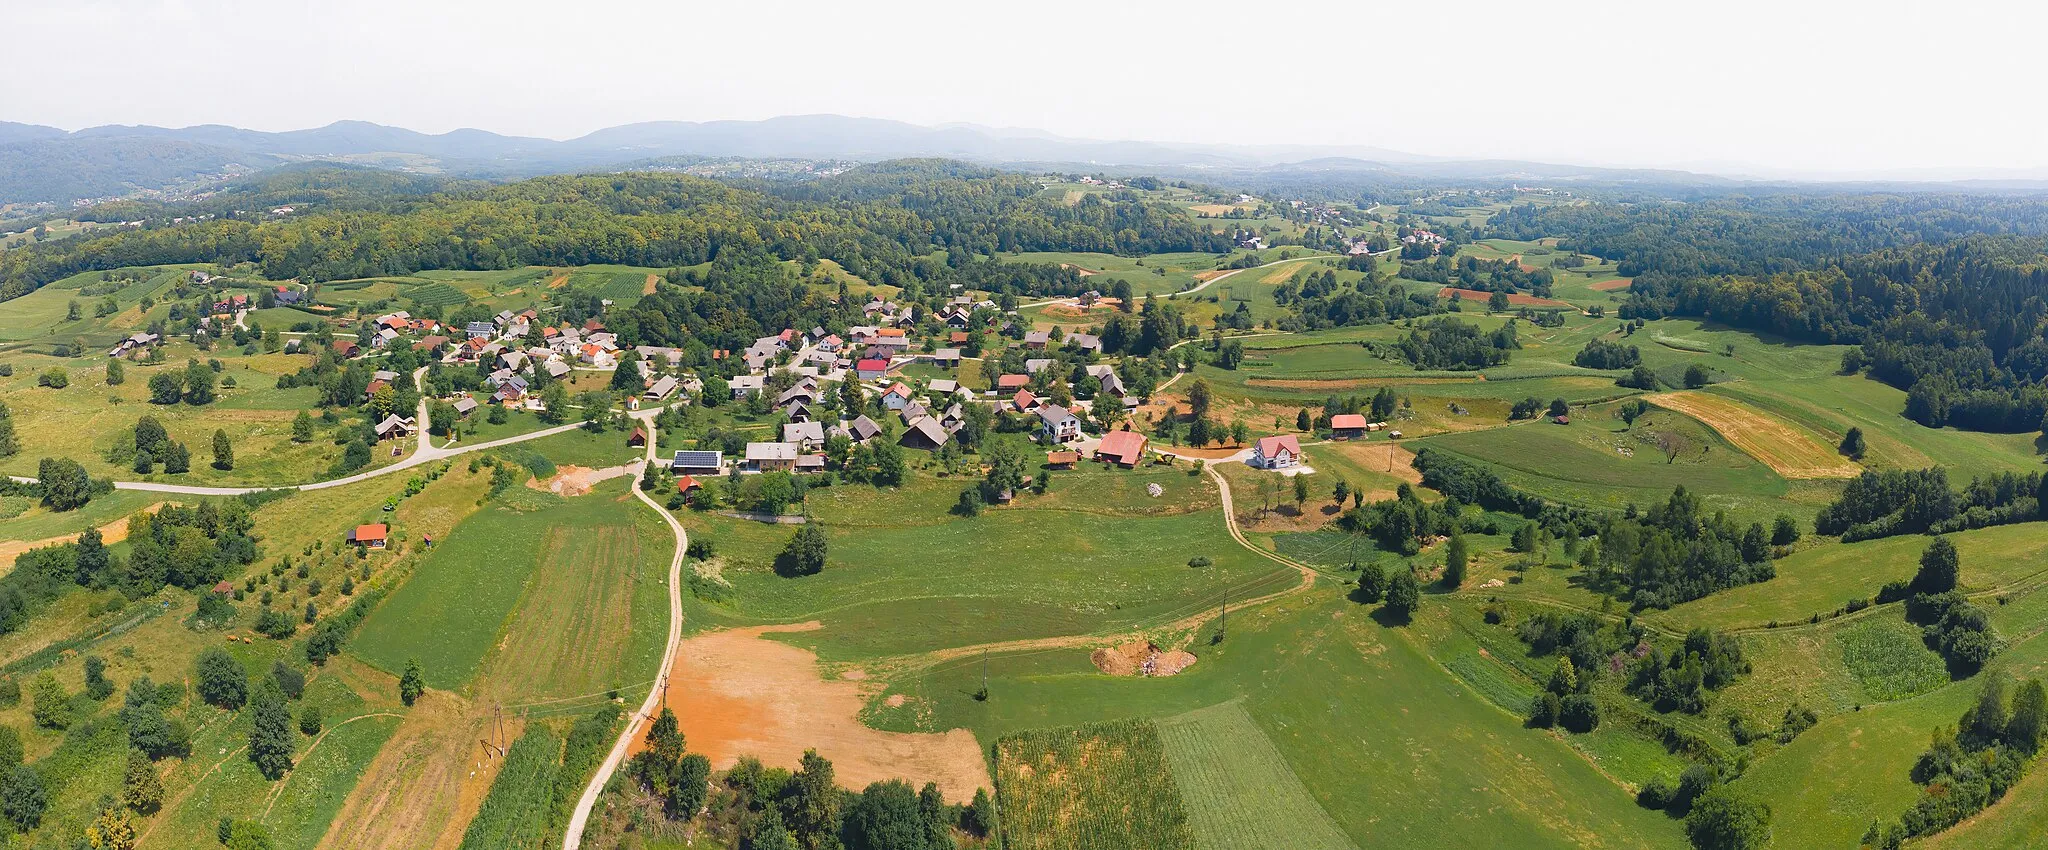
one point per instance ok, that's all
(897, 396)
(862, 429)
(1024, 401)
(946, 358)
(810, 436)
(1085, 342)
(745, 385)
(1037, 339)
(1277, 452)
(771, 457)
(871, 369)
(464, 406)
(372, 536)
(1057, 424)
(346, 350)
(1123, 448)
(944, 387)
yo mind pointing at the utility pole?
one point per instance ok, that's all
(1223, 623)
(984, 669)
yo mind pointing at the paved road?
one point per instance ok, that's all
(423, 452)
(572, 838)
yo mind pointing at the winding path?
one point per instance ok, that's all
(572, 837)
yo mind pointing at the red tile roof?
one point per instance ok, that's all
(373, 531)
(1271, 446)
(1343, 421)
(1124, 447)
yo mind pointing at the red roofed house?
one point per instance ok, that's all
(369, 536)
(1024, 401)
(1278, 452)
(688, 485)
(1012, 382)
(1124, 448)
(1347, 426)
(896, 397)
(871, 368)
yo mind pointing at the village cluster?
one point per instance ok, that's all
(793, 371)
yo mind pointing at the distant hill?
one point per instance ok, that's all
(45, 164)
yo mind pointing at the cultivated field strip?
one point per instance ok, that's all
(1789, 450)
(1102, 787)
(1239, 791)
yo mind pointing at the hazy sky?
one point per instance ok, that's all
(1789, 84)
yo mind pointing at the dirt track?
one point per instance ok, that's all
(111, 533)
(1789, 450)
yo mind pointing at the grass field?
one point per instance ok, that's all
(1821, 579)
(1105, 786)
(1239, 792)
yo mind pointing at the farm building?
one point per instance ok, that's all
(897, 397)
(1123, 448)
(925, 433)
(370, 536)
(637, 436)
(395, 427)
(697, 463)
(1280, 452)
(662, 388)
(687, 486)
(809, 435)
(1062, 459)
(1008, 383)
(1347, 426)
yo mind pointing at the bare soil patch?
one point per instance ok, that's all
(1789, 450)
(1141, 658)
(648, 289)
(1212, 274)
(1517, 299)
(1084, 272)
(570, 480)
(1610, 285)
(111, 533)
(1078, 312)
(737, 694)
(559, 281)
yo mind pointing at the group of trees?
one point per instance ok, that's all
(194, 385)
(1675, 552)
(152, 446)
(1952, 624)
(1602, 354)
(1446, 343)
(1970, 766)
(1904, 501)
(765, 808)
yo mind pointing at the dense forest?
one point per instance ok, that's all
(879, 223)
(1947, 295)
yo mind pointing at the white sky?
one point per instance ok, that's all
(1805, 85)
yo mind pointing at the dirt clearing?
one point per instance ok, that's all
(737, 694)
(428, 780)
(1084, 272)
(1281, 273)
(577, 480)
(111, 533)
(1610, 285)
(559, 281)
(1386, 456)
(1789, 450)
(648, 289)
(1141, 658)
